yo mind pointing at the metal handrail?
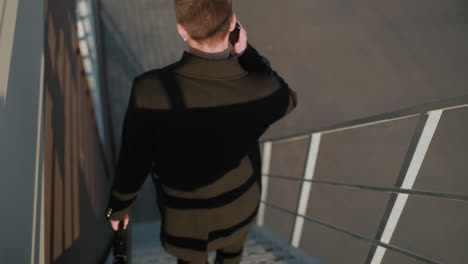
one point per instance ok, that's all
(451, 103)
(425, 193)
(429, 116)
(357, 235)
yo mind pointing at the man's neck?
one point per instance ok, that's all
(218, 52)
(210, 55)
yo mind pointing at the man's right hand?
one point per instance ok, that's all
(115, 223)
(240, 46)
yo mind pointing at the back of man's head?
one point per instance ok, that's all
(203, 19)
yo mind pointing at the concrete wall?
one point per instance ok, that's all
(351, 59)
(21, 127)
(76, 181)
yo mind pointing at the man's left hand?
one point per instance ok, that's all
(240, 46)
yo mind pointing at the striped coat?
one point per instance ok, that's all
(194, 127)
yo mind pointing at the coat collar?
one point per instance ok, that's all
(199, 67)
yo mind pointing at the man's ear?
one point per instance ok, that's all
(233, 22)
(182, 32)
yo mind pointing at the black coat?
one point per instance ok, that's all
(195, 125)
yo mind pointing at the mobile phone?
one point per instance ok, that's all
(234, 35)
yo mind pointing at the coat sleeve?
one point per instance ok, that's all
(252, 61)
(134, 161)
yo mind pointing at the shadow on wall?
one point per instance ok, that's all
(121, 67)
(76, 185)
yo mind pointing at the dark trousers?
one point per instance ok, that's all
(231, 254)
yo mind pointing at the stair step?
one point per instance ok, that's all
(259, 248)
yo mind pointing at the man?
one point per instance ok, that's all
(195, 125)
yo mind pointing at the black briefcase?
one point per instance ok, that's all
(120, 245)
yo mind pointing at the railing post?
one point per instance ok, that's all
(414, 158)
(266, 160)
(311, 161)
